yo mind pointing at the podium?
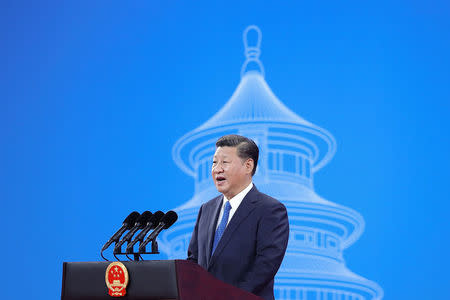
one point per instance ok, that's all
(163, 280)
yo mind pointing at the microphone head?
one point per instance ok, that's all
(169, 218)
(143, 219)
(131, 219)
(156, 218)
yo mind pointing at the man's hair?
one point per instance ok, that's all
(246, 148)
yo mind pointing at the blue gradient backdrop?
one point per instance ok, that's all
(95, 93)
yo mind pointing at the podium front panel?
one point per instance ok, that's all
(147, 280)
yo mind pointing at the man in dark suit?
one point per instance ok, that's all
(240, 236)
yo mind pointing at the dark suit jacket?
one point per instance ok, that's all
(251, 248)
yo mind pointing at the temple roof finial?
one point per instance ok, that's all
(252, 51)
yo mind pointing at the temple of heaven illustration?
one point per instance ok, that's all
(292, 149)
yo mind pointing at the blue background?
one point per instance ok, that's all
(95, 93)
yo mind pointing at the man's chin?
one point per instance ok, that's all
(221, 189)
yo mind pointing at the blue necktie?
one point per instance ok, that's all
(222, 226)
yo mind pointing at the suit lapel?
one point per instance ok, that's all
(245, 208)
(212, 227)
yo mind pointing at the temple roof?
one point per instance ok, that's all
(253, 101)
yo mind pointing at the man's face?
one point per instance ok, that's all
(230, 173)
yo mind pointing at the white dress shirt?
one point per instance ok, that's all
(234, 202)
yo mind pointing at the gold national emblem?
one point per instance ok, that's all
(116, 278)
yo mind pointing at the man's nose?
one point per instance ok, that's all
(218, 168)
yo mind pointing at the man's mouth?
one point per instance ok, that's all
(220, 179)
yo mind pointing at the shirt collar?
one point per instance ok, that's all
(236, 200)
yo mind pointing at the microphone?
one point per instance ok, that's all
(152, 221)
(126, 225)
(169, 218)
(140, 223)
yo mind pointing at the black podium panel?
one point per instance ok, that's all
(86, 281)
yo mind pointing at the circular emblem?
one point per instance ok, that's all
(116, 278)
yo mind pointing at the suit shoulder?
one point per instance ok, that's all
(269, 201)
(212, 202)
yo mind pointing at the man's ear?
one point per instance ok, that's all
(249, 164)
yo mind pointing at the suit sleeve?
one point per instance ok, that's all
(193, 245)
(271, 243)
